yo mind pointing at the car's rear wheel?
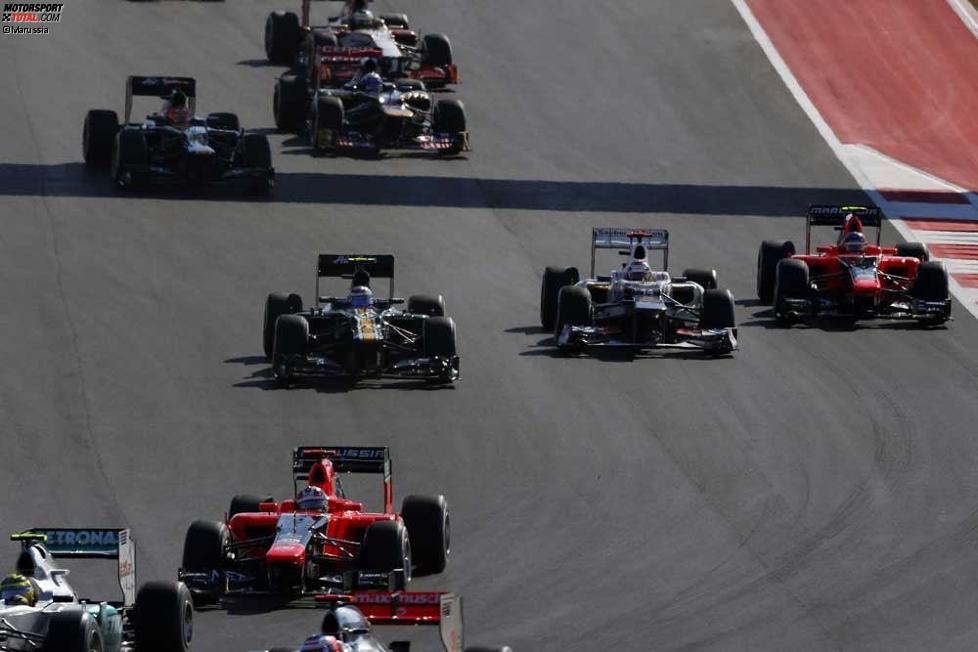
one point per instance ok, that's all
(282, 36)
(396, 21)
(768, 257)
(706, 278)
(554, 278)
(427, 522)
(164, 617)
(432, 305)
(247, 504)
(916, 250)
(98, 136)
(436, 50)
(228, 121)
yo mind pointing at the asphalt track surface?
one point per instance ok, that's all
(817, 491)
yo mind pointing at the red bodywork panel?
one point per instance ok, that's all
(340, 65)
(829, 276)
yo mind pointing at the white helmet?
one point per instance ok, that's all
(311, 498)
(637, 270)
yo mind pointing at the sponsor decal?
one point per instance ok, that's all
(406, 598)
(82, 540)
(30, 17)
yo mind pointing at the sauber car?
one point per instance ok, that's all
(853, 279)
(159, 618)
(201, 149)
(354, 35)
(291, 550)
(346, 625)
(635, 307)
(358, 335)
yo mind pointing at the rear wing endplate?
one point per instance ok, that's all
(89, 543)
(161, 87)
(610, 237)
(346, 265)
(834, 215)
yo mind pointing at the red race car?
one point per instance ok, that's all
(320, 540)
(853, 278)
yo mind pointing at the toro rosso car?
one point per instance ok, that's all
(174, 145)
(358, 335)
(41, 612)
(853, 279)
(346, 625)
(634, 307)
(354, 35)
(318, 541)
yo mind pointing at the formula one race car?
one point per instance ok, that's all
(357, 335)
(346, 625)
(41, 612)
(320, 540)
(852, 279)
(635, 307)
(354, 35)
(175, 145)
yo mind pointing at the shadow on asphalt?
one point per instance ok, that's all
(77, 180)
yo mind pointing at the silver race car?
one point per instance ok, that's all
(346, 625)
(47, 615)
(636, 307)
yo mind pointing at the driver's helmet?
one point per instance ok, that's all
(19, 590)
(637, 270)
(362, 20)
(321, 643)
(371, 84)
(311, 499)
(361, 296)
(176, 109)
(854, 242)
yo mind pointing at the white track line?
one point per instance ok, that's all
(967, 296)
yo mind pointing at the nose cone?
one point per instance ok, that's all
(866, 285)
(286, 553)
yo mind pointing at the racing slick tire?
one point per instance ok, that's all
(73, 630)
(291, 339)
(707, 278)
(247, 504)
(282, 36)
(276, 305)
(791, 282)
(203, 552)
(386, 547)
(573, 309)
(428, 526)
(130, 159)
(289, 103)
(439, 339)
(554, 278)
(916, 250)
(718, 309)
(258, 155)
(432, 305)
(931, 284)
(98, 136)
(768, 257)
(330, 116)
(225, 120)
(449, 118)
(164, 617)
(436, 50)
(396, 21)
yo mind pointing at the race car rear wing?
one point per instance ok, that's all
(159, 87)
(835, 216)
(346, 459)
(409, 608)
(347, 265)
(89, 543)
(624, 239)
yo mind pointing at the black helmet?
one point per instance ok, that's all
(331, 624)
(178, 99)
